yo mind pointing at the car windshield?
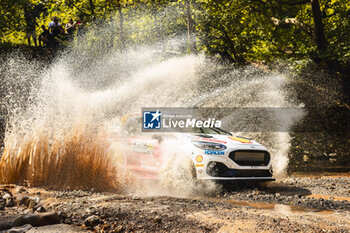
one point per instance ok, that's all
(211, 131)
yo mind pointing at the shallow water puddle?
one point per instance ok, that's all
(288, 209)
(337, 198)
(280, 208)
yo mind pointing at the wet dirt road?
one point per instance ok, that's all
(295, 204)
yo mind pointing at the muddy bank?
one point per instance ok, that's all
(306, 204)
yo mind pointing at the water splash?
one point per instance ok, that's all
(56, 134)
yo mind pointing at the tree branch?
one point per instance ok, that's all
(84, 12)
(231, 46)
(293, 21)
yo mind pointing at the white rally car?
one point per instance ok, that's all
(214, 153)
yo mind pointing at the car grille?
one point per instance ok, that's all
(217, 169)
(250, 157)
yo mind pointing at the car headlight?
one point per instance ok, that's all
(209, 145)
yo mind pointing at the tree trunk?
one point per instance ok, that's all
(191, 41)
(92, 8)
(157, 25)
(121, 21)
(111, 43)
(319, 28)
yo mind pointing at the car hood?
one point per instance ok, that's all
(224, 139)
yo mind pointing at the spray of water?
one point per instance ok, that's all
(56, 135)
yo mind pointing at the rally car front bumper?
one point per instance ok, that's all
(219, 171)
(230, 167)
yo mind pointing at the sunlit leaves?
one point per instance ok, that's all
(241, 29)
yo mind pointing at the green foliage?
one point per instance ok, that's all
(11, 18)
(336, 15)
(238, 31)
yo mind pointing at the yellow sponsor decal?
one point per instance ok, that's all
(199, 158)
(242, 140)
(199, 165)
